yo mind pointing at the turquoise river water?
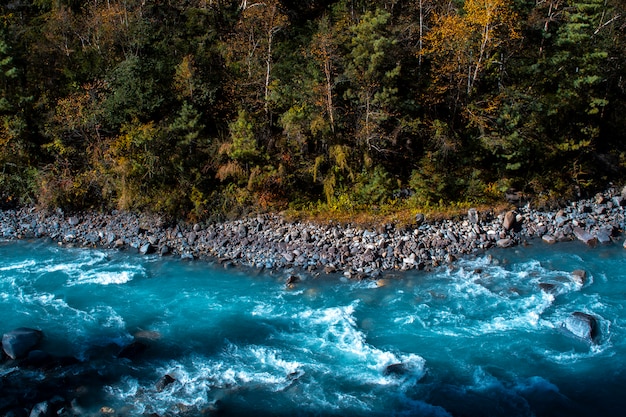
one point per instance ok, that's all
(480, 338)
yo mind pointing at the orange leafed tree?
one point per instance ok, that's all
(464, 44)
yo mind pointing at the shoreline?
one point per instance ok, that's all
(270, 242)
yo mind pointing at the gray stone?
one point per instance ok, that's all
(164, 382)
(292, 280)
(599, 198)
(604, 235)
(548, 287)
(419, 219)
(73, 221)
(397, 369)
(19, 342)
(40, 410)
(509, 221)
(542, 230)
(472, 216)
(549, 239)
(583, 325)
(146, 249)
(579, 276)
(585, 236)
(505, 243)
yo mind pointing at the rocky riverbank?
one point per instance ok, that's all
(269, 241)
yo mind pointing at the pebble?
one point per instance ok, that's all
(270, 241)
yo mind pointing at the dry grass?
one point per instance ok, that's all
(397, 216)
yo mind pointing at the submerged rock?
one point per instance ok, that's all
(19, 342)
(164, 382)
(548, 287)
(579, 276)
(133, 350)
(583, 325)
(292, 280)
(395, 369)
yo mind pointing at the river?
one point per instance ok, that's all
(479, 338)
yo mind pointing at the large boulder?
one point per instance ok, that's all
(510, 220)
(583, 325)
(19, 342)
(584, 236)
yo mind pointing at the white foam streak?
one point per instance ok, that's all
(20, 266)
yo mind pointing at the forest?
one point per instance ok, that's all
(210, 108)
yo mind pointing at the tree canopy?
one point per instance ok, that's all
(196, 108)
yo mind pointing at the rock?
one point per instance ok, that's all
(16, 412)
(146, 249)
(133, 350)
(619, 201)
(395, 369)
(164, 382)
(19, 342)
(599, 198)
(505, 243)
(164, 250)
(549, 239)
(579, 276)
(419, 219)
(583, 326)
(472, 216)
(548, 287)
(585, 236)
(147, 334)
(604, 235)
(625, 244)
(73, 221)
(292, 280)
(509, 221)
(37, 359)
(381, 283)
(41, 409)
